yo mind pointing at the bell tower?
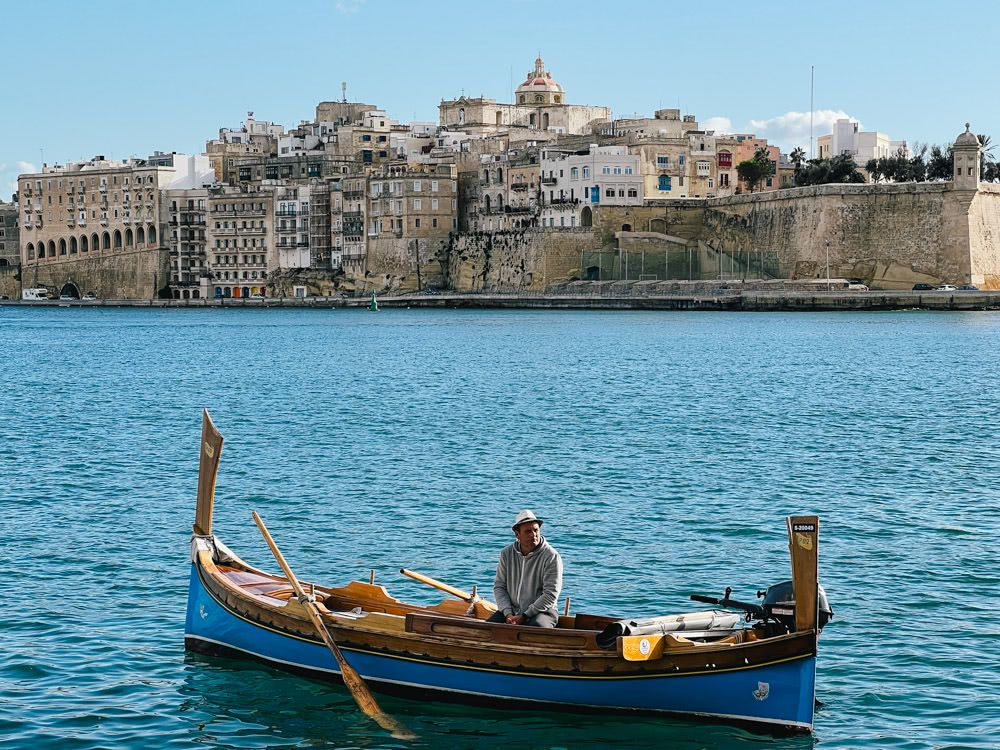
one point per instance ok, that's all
(966, 153)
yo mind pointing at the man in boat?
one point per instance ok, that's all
(529, 577)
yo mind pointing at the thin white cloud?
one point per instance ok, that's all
(792, 128)
(9, 174)
(25, 167)
(718, 124)
(349, 7)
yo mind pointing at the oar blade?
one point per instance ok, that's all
(352, 679)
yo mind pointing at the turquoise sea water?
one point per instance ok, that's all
(664, 450)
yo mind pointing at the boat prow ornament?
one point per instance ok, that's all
(748, 663)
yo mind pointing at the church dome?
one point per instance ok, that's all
(539, 87)
(967, 138)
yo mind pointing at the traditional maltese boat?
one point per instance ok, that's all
(755, 667)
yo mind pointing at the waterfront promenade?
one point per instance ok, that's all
(737, 300)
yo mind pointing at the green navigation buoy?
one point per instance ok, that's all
(373, 306)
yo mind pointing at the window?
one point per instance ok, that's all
(434, 204)
(416, 204)
(702, 168)
(633, 193)
(416, 186)
(681, 160)
(711, 182)
(574, 173)
(664, 182)
(618, 170)
(628, 170)
(434, 186)
(723, 180)
(662, 161)
(725, 159)
(680, 181)
(366, 138)
(434, 223)
(605, 170)
(586, 172)
(416, 223)
(609, 193)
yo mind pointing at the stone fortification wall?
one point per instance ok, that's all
(889, 235)
(397, 258)
(684, 219)
(135, 274)
(9, 283)
(516, 260)
(984, 237)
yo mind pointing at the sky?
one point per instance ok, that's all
(87, 77)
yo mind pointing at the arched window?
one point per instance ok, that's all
(545, 121)
(31, 251)
(487, 203)
(106, 241)
(461, 115)
(128, 237)
(52, 249)
(73, 246)
(499, 174)
(62, 246)
(95, 242)
(538, 97)
(195, 294)
(84, 244)
(531, 120)
(520, 99)
(140, 236)
(664, 182)
(626, 227)
(499, 202)
(151, 234)
(117, 240)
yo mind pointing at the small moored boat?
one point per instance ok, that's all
(757, 668)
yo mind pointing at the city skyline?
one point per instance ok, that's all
(123, 83)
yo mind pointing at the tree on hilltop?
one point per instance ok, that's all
(754, 171)
(841, 168)
(798, 158)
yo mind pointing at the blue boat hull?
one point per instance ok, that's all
(778, 696)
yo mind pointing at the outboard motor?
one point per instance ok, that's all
(779, 605)
(777, 611)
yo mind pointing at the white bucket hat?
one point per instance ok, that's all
(526, 516)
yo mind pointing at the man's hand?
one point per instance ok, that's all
(515, 619)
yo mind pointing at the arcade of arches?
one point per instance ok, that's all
(67, 248)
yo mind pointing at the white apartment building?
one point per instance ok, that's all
(848, 138)
(573, 182)
(291, 226)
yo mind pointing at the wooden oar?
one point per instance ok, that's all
(463, 595)
(355, 683)
(480, 608)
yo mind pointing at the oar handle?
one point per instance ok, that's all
(463, 595)
(296, 586)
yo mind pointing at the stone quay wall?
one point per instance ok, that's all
(129, 274)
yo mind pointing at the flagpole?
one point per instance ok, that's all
(812, 79)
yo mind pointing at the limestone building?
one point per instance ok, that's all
(101, 207)
(241, 241)
(186, 240)
(10, 253)
(252, 138)
(540, 104)
(847, 139)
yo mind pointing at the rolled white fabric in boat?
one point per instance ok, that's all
(715, 619)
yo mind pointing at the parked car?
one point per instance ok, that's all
(968, 288)
(256, 296)
(947, 288)
(858, 287)
(923, 288)
(66, 298)
(90, 296)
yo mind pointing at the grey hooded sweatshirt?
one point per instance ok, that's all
(528, 584)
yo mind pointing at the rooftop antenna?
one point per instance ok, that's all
(343, 91)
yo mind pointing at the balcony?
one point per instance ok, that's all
(81, 222)
(519, 186)
(353, 195)
(353, 215)
(286, 213)
(549, 180)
